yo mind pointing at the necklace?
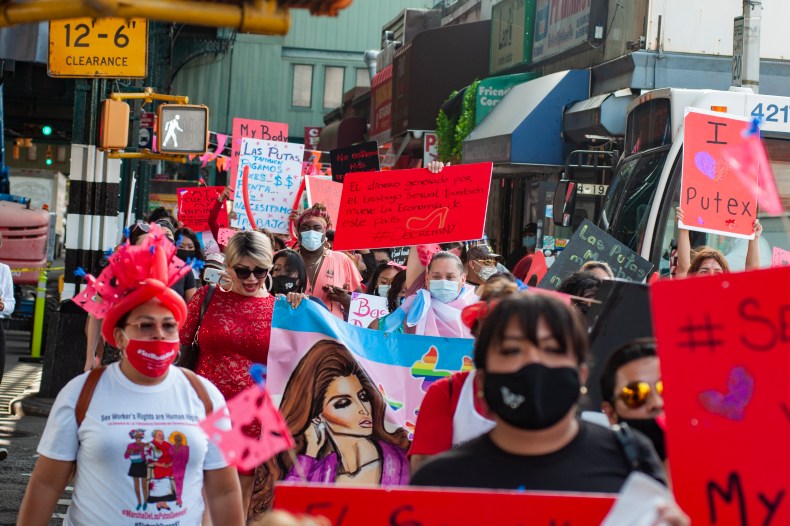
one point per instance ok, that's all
(314, 269)
(356, 472)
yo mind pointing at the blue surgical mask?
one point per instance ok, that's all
(383, 290)
(530, 241)
(444, 290)
(312, 240)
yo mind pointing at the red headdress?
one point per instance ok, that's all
(317, 210)
(135, 275)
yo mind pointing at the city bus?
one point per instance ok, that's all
(639, 206)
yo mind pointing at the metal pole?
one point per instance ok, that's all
(38, 315)
(752, 18)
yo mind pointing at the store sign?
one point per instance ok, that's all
(492, 90)
(381, 104)
(98, 48)
(312, 134)
(430, 151)
(561, 25)
(512, 23)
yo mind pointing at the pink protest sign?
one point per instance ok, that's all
(224, 236)
(243, 128)
(781, 257)
(326, 192)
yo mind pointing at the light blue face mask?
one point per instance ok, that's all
(312, 240)
(530, 241)
(383, 290)
(443, 290)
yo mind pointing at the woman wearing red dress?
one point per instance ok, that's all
(237, 324)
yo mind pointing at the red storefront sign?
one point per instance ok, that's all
(381, 105)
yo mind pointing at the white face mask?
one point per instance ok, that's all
(383, 290)
(312, 240)
(486, 272)
(443, 290)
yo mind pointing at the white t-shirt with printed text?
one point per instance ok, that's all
(166, 459)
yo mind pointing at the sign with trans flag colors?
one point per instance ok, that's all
(334, 382)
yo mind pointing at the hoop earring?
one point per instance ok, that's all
(219, 284)
(271, 283)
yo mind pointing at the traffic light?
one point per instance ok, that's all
(183, 129)
(46, 130)
(48, 160)
(114, 125)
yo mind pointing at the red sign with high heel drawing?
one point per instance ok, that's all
(413, 207)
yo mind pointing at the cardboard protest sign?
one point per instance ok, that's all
(395, 370)
(274, 179)
(365, 308)
(261, 130)
(590, 243)
(781, 257)
(724, 344)
(326, 192)
(345, 506)
(712, 198)
(413, 207)
(362, 157)
(224, 235)
(195, 204)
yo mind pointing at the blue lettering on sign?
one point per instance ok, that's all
(772, 112)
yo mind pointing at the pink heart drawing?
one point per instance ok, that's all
(732, 404)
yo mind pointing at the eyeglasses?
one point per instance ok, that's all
(486, 262)
(244, 272)
(635, 394)
(149, 329)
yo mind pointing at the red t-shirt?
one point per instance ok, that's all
(433, 432)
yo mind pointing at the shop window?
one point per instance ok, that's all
(302, 91)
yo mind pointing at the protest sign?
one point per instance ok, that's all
(261, 130)
(712, 198)
(195, 204)
(208, 243)
(345, 506)
(781, 257)
(326, 192)
(362, 157)
(274, 178)
(224, 235)
(400, 255)
(395, 370)
(724, 344)
(365, 308)
(413, 207)
(590, 243)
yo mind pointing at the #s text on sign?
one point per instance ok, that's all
(101, 47)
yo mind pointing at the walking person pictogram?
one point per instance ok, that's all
(171, 127)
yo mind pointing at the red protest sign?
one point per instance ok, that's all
(433, 507)
(326, 192)
(224, 236)
(413, 207)
(195, 204)
(713, 198)
(781, 257)
(263, 130)
(724, 344)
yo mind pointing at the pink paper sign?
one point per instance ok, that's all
(224, 236)
(326, 192)
(781, 257)
(243, 128)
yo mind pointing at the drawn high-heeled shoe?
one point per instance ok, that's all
(423, 223)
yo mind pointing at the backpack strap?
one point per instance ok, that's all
(629, 445)
(200, 389)
(86, 394)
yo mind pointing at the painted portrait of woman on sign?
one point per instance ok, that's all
(336, 416)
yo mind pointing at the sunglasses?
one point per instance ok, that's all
(244, 272)
(486, 262)
(635, 394)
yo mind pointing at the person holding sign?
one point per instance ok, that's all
(709, 261)
(331, 276)
(531, 353)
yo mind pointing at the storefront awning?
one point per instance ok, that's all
(526, 126)
(342, 133)
(599, 117)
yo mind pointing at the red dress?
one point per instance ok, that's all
(234, 334)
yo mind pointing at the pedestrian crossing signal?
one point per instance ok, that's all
(114, 125)
(183, 129)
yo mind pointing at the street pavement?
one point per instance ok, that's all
(21, 429)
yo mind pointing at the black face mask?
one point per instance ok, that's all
(650, 428)
(534, 397)
(185, 254)
(284, 284)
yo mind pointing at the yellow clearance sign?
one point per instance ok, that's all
(100, 47)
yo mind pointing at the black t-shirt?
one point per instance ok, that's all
(183, 284)
(593, 461)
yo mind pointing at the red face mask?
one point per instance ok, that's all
(152, 357)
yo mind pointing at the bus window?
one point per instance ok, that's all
(649, 126)
(638, 188)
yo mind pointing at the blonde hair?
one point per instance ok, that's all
(249, 243)
(598, 265)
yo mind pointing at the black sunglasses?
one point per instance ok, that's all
(244, 272)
